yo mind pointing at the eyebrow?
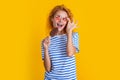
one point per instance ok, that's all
(59, 16)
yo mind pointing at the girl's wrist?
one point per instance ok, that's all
(69, 32)
(46, 51)
(46, 48)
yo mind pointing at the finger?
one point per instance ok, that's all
(74, 26)
(48, 38)
(46, 41)
(68, 20)
(74, 22)
(77, 26)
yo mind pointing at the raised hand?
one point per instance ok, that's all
(46, 42)
(70, 26)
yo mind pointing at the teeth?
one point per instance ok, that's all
(60, 25)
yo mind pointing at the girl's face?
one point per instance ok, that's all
(60, 20)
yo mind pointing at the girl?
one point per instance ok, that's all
(59, 48)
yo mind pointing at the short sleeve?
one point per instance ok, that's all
(42, 50)
(75, 39)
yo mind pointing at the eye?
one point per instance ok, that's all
(57, 17)
(65, 19)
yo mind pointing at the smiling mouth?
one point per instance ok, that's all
(59, 25)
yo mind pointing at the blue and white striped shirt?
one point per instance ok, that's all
(63, 67)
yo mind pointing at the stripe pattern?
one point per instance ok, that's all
(63, 67)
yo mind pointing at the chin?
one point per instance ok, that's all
(60, 29)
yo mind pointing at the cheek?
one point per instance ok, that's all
(54, 23)
(56, 20)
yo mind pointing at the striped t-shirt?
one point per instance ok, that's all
(63, 67)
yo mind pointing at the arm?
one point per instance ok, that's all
(70, 48)
(47, 62)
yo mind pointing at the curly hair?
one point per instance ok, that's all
(58, 8)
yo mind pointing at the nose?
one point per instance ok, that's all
(60, 20)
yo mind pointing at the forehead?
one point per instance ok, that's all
(61, 13)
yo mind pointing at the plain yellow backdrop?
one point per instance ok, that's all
(24, 25)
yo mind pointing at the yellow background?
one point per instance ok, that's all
(24, 24)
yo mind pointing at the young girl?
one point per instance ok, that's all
(59, 48)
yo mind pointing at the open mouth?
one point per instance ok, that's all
(60, 25)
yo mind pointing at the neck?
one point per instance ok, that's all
(60, 32)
